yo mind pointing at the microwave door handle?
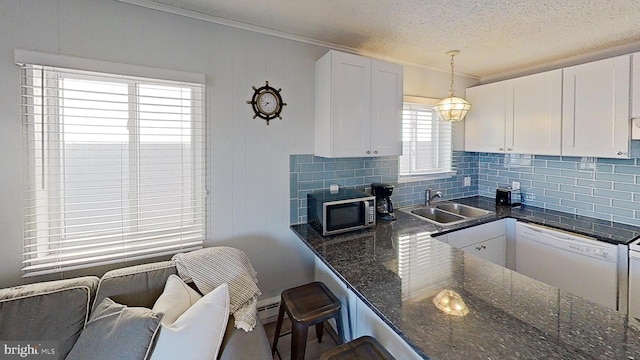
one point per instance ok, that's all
(365, 220)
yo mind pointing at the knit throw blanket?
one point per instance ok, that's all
(213, 266)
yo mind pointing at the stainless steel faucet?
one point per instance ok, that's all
(428, 198)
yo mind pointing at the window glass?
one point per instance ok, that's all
(426, 141)
(115, 167)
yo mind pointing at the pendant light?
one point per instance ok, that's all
(452, 108)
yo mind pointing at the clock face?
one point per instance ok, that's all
(267, 102)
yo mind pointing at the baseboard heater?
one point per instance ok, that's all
(268, 309)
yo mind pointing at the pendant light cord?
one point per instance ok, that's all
(451, 91)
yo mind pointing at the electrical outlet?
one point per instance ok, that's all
(515, 185)
(467, 181)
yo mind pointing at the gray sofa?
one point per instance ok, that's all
(58, 310)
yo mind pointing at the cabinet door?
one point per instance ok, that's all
(494, 250)
(485, 124)
(596, 109)
(343, 105)
(635, 96)
(534, 119)
(350, 103)
(386, 109)
(634, 284)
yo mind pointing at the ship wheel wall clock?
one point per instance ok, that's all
(266, 102)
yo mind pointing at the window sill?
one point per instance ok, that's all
(437, 176)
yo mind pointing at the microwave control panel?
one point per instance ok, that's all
(372, 211)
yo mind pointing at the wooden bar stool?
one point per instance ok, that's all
(306, 305)
(362, 348)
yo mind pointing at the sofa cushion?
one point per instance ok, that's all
(117, 332)
(49, 311)
(239, 344)
(138, 285)
(198, 332)
(176, 298)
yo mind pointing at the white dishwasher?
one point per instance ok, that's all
(634, 279)
(578, 264)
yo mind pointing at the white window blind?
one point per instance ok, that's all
(426, 141)
(115, 168)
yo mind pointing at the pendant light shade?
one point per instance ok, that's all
(452, 108)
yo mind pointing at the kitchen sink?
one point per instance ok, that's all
(448, 213)
(437, 215)
(463, 210)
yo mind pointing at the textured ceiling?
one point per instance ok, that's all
(496, 37)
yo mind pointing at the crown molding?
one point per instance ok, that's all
(149, 4)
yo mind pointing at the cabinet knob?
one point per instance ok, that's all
(375, 151)
(509, 149)
(368, 151)
(501, 149)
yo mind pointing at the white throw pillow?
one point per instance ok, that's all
(176, 298)
(198, 332)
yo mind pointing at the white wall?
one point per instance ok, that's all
(248, 161)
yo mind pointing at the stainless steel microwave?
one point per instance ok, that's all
(346, 210)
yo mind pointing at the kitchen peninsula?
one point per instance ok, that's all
(397, 268)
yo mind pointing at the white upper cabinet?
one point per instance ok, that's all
(358, 106)
(596, 108)
(484, 126)
(635, 96)
(536, 113)
(521, 115)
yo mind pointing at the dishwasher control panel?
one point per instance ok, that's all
(586, 250)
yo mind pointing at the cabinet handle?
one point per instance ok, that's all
(375, 151)
(368, 151)
(501, 149)
(481, 247)
(621, 153)
(509, 149)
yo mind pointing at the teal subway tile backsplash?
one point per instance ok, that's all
(310, 173)
(607, 189)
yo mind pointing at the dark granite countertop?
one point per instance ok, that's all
(603, 230)
(397, 268)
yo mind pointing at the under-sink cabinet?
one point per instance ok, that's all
(358, 106)
(519, 116)
(487, 241)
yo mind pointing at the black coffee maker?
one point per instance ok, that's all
(384, 206)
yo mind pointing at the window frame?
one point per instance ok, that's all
(46, 253)
(429, 175)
